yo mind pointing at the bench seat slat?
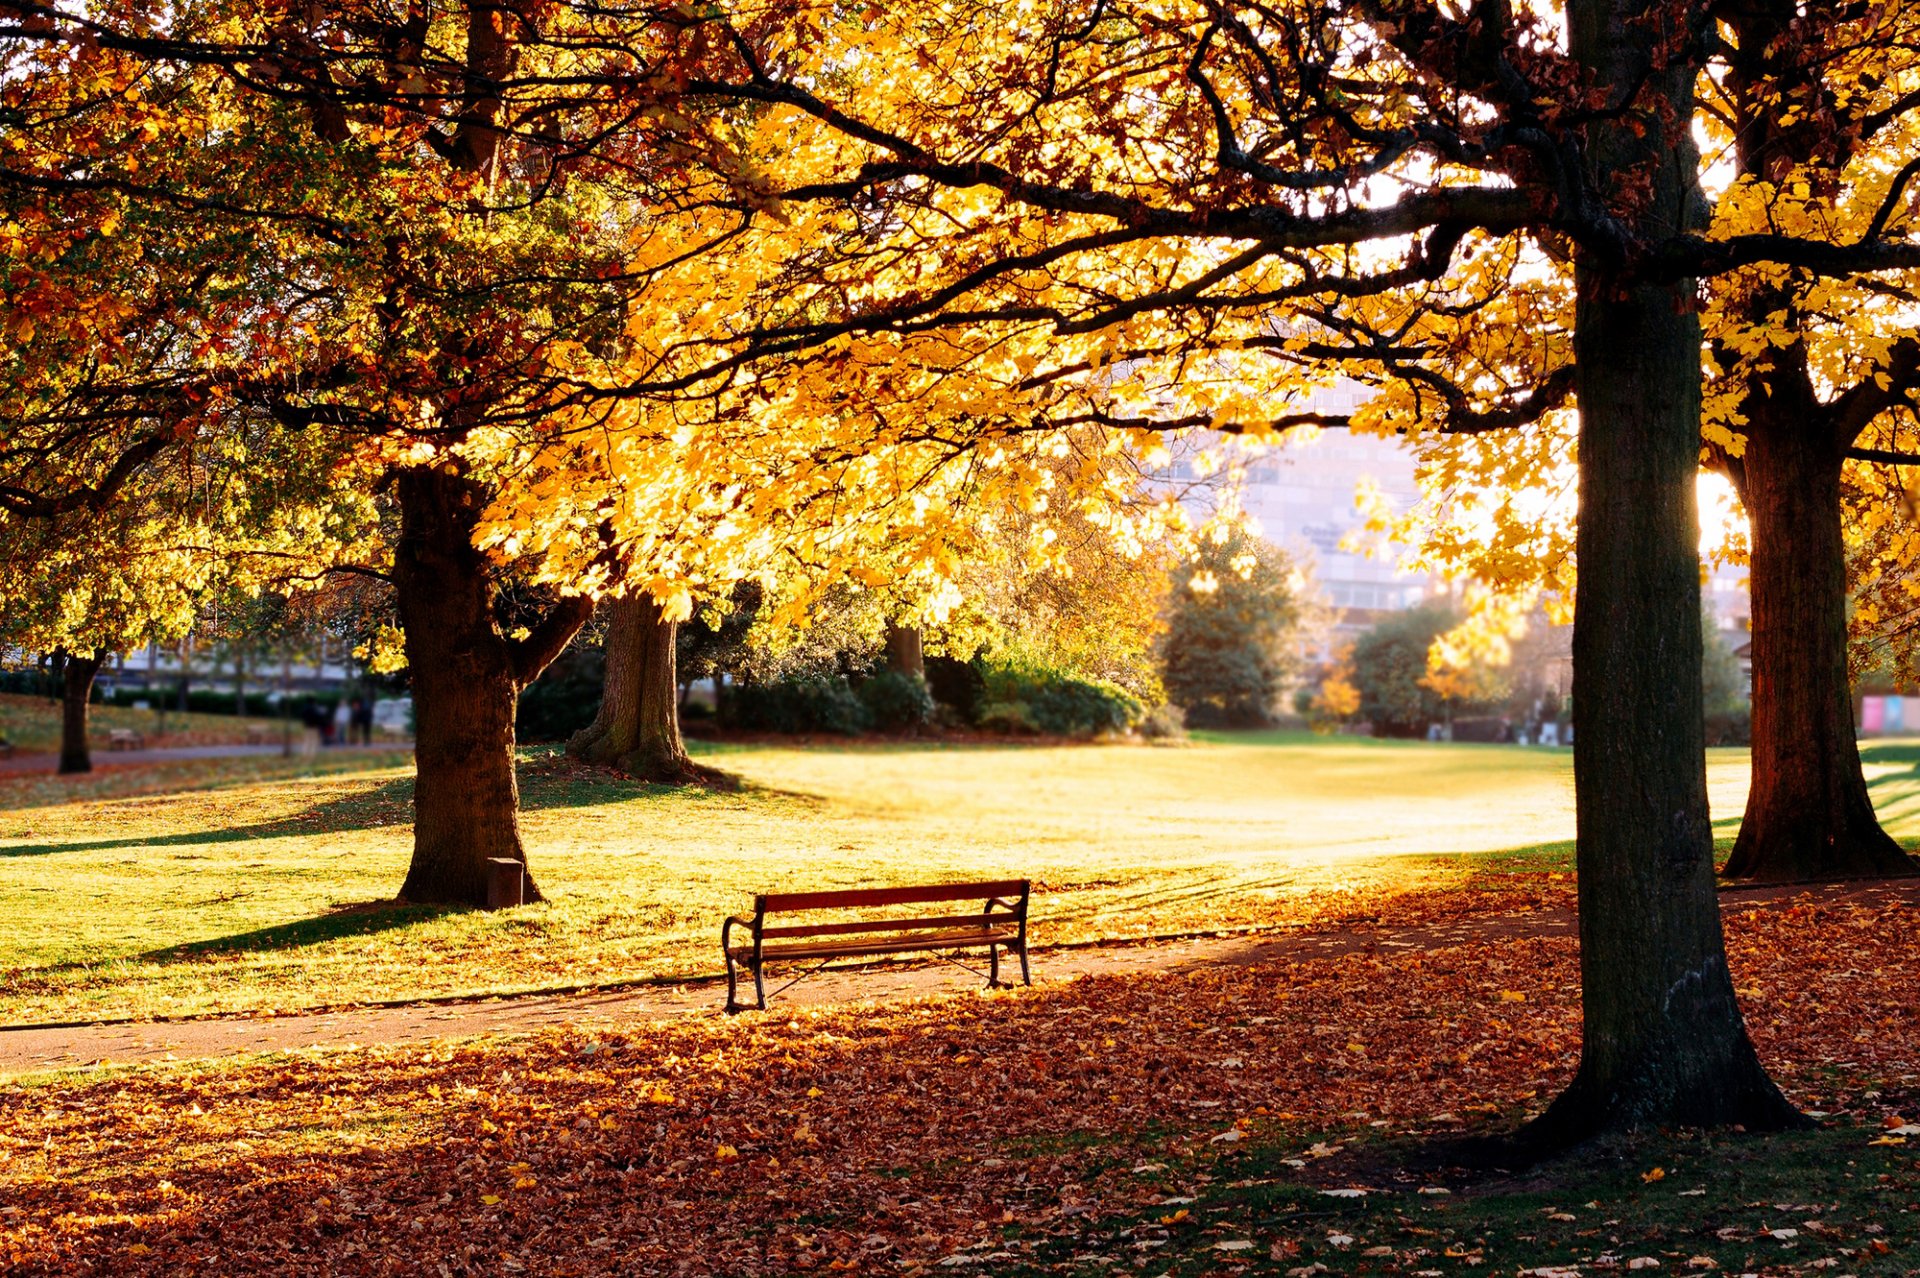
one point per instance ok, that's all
(887, 925)
(958, 938)
(776, 902)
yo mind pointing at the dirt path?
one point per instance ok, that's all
(34, 1050)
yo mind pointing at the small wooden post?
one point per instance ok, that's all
(506, 882)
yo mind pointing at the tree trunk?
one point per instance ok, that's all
(904, 655)
(77, 687)
(1664, 1042)
(186, 672)
(637, 728)
(1809, 815)
(466, 799)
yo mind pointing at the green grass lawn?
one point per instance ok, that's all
(258, 885)
(32, 725)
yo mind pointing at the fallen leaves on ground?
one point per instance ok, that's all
(889, 1139)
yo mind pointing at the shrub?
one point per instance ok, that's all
(261, 702)
(554, 708)
(896, 702)
(806, 703)
(957, 685)
(1022, 693)
(1006, 716)
(29, 683)
(1164, 723)
(1730, 727)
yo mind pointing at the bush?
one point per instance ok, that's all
(1023, 694)
(261, 702)
(806, 703)
(553, 709)
(29, 683)
(1730, 727)
(1010, 717)
(958, 685)
(896, 702)
(1164, 723)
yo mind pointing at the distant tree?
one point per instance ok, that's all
(1721, 687)
(1230, 638)
(1389, 661)
(637, 728)
(1400, 694)
(1075, 598)
(1338, 700)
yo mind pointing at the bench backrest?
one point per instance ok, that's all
(1010, 895)
(857, 898)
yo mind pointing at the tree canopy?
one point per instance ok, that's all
(593, 294)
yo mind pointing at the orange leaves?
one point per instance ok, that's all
(900, 1158)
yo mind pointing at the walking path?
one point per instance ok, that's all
(104, 758)
(28, 1050)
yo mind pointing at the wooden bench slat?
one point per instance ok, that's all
(891, 945)
(778, 901)
(1001, 923)
(888, 925)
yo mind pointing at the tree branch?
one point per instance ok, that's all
(550, 638)
(32, 505)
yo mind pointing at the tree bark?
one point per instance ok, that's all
(637, 728)
(1664, 1042)
(904, 653)
(466, 677)
(1809, 815)
(77, 695)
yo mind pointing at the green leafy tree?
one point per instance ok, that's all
(1230, 648)
(1399, 694)
(1722, 689)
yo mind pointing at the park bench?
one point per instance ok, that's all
(126, 739)
(1001, 923)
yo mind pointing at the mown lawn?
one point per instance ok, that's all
(258, 885)
(32, 725)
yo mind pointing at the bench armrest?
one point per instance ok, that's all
(743, 920)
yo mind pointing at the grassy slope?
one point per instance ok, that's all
(32, 725)
(261, 890)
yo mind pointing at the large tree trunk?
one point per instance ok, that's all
(466, 799)
(77, 694)
(1809, 815)
(637, 728)
(904, 652)
(466, 679)
(1664, 1042)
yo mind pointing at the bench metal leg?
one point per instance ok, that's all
(733, 1003)
(1026, 977)
(993, 969)
(759, 986)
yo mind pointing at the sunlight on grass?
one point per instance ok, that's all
(264, 885)
(32, 725)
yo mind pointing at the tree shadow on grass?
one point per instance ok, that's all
(365, 918)
(384, 806)
(341, 922)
